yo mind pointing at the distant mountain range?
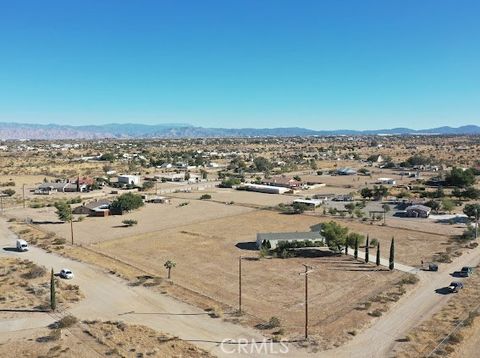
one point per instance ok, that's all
(180, 130)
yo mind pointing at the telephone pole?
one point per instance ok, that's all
(23, 188)
(240, 284)
(308, 269)
(476, 222)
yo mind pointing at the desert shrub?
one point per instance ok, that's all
(66, 321)
(409, 279)
(375, 313)
(273, 322)
(129, 222)
(35, 272)
(205, 197)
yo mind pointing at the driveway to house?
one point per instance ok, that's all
(110, 298)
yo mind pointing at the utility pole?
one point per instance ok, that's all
(308, 269)
(71, 228)
(476, 222)
(23, 190)
(240, 284)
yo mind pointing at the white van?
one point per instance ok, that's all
(22, 245)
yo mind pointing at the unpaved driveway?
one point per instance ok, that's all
(110, 298)
(380, 339)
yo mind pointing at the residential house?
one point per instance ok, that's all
(418, 211)
(275, 238)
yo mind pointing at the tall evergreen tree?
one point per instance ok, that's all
(378, 254)
(391, 260)
(346, 249)
(355, 252)
(367, 248)
(53, 301)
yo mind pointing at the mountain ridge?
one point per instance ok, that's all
(16, 131)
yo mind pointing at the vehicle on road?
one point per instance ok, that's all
(22, 245)
(66, 274)
(466, 271)
(455, 286)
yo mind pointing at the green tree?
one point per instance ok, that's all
(472, 210)
(460, 178)
(366, 193)
(448, 205)
(169, 264)
(367, 248)
(434, 205)
(386, 209)
(53, 301)
(262, 164)
(335, 235)
(64, 213)
(378, 255)
(128, 202)
(391, 259)
(353, 238)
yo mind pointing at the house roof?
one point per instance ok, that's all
(419, 207)
(284, 236)
(281, 180)
(96, 204)
(58, 186)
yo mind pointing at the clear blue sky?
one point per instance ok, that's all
(241, 63)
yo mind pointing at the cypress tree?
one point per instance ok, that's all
(367, 254)
(53, 301)
(391, 260)
(378, 254)
(346, 248)
(355, 252)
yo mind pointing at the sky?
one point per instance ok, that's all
(241, 63)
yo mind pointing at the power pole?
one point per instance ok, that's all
(308, 269)
(71, 229)
(240, 284)
(476, 222)
(23, 195)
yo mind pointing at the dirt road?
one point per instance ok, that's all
(110, 298)
(380, 339)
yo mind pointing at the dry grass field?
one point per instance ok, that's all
(25, 285)
(95, 338)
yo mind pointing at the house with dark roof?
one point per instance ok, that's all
(94, 208)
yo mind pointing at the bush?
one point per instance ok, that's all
(35, 272)
(129, 222)
(66, 321)
(375, 313)
(128, 202)
(205, 197)
(410, 279)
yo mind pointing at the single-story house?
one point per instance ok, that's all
(310, 202)
(274, 238)
(94, 208)
(129, 179)
(386, 181)
(418, 211)
(282, 181)
(61, 187)
(264, 188)
(346, 171)
(155, 199)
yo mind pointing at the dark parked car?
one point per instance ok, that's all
(455, 286)
(466, 271)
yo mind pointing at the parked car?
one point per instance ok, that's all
(22, 245)
(466, 271)
(455, 286)
(66, 273)
(432, 267)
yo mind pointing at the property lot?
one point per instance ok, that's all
(151, 218)
(207, 255)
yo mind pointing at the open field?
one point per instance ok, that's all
(25, 285)
(94, 339)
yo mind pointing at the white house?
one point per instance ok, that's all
(310, 202)
(274, 238)
(386, 181)
(129, 179)
(269, 189)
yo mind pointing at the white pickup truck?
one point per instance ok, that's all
(22, 245)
